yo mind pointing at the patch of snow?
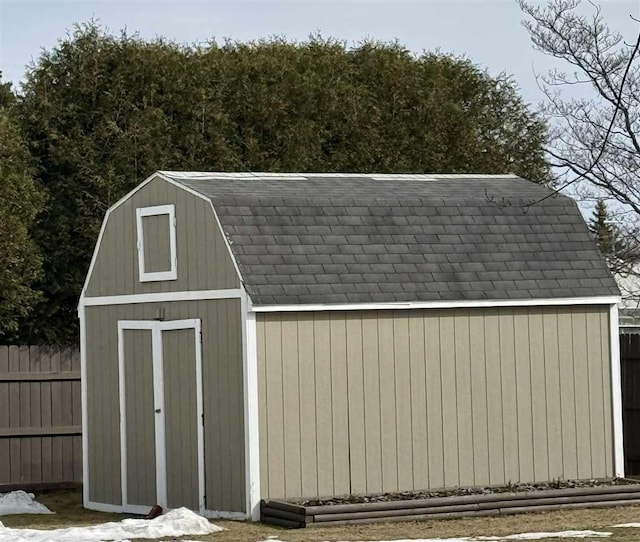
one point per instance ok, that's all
(542, 536)
(20, 502)
(179, 522)
(633, 525)
(464, 539)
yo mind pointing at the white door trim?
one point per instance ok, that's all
(157, 327)
(159, 417)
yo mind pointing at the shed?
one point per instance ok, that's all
(250, 335)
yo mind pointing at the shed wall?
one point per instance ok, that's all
(223, 397)
(204, 262)
(377, 401)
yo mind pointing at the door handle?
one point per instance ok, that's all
(158, 410)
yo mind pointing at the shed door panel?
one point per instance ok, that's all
(179, 368)
(139, 412)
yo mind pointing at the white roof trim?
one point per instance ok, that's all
(484, 303)
(159, 297)
(301, 176)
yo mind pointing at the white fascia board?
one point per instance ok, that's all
(616, 393)
(93, 259)
(484, 303)
(160, 297)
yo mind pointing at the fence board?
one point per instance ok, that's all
(36, 415)
(40, 417)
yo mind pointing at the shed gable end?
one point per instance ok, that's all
(162, 238)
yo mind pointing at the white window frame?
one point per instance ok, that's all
(157, 210)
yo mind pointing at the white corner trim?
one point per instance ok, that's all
(616, 393)
(155, 276)
(484, 303)
(160, 297)
(251, 416)
(84, 414)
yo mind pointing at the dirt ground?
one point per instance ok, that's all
(69, 511)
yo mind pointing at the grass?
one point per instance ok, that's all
(67, 505)
(69, 512)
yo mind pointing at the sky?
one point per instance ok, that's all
(489, 32)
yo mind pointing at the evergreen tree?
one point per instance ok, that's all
(102, 112)
(20, 202)
(620, 250)
(602, 228)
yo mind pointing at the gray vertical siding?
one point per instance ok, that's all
(362, 402)
(203, 260)
(140, 418)
(223, 398)
(180, 417)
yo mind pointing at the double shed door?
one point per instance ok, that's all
(161, 413)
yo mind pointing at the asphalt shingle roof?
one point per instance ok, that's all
(301, 239)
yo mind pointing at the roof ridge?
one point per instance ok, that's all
(258, 175)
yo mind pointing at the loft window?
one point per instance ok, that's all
(156, 231)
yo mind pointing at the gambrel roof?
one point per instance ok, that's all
(334, 238)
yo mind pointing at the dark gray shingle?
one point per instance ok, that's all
(352, 239)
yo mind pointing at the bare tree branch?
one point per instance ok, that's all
(594, 141)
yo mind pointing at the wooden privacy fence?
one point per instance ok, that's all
(40, 417)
